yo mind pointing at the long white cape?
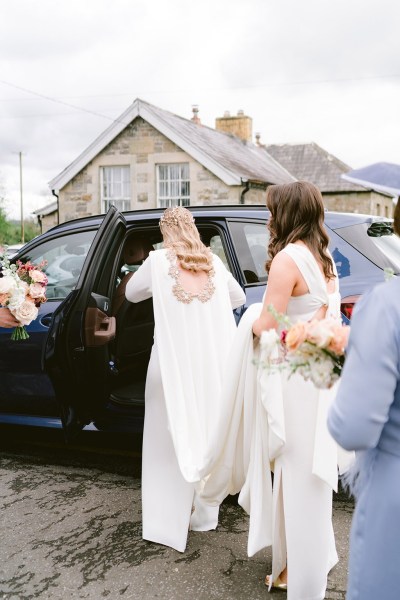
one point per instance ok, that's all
(192, 370)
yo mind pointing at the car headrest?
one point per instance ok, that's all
(136, 250)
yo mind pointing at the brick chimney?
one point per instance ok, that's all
(195, 118)
(240, 125)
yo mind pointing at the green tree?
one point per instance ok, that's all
(31, 230)
(5, 229)
(10, 230)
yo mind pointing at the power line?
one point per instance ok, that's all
(244, 87)
(65, 114)
(50, 99)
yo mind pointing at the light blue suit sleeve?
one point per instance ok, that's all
(371, 372)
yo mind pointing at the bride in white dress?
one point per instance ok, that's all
(193, 297)
(303, 284)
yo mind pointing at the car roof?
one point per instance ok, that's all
(334, 220)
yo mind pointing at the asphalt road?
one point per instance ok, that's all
(71, 528)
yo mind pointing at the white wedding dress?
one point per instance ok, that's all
(183, 385)
(278, 422)
(304, 478)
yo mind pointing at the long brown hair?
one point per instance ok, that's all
(182, 236)
(297, 213)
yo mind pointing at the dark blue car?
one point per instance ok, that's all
(85, 361)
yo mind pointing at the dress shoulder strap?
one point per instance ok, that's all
(308, 267)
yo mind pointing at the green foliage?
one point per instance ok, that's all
(10, 231)
(5, 229)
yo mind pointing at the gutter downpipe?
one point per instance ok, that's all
(246, 188)
(58, 206)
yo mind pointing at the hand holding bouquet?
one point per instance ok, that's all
(22, 291)
(315, 349)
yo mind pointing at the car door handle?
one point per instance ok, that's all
(46, 320)
(99, 327)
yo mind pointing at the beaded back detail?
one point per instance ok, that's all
(182, 295)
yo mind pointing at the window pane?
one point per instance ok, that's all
(65, 257)
(116, 186)
(251, 242)
(172, 189)
(174, 171)
(163, 188)
(185, 188)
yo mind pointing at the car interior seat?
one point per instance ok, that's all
(135, 251)
(134, 330)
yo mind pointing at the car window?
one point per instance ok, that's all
(375, 241)
(211, 236)
(217, 248)
(65, 256)
(251, 242)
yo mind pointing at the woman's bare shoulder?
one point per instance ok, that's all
(283, 260)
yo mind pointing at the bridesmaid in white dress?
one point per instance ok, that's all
(303, 284)
(193, 297)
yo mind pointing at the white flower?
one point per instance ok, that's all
(320, 332)
(17, 298)
(321, 372)
(7, 283)
(36, 290)
(26, 312)
(269, 341)
(37, 276)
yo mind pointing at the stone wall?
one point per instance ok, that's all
(368, 202)
(48, 221)
(142, 148)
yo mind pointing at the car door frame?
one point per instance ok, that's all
(72, 357)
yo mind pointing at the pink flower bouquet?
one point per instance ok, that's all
(315, 349)
(22, 291)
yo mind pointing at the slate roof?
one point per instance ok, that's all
(381, 177)
(310, 162)
(46, 210)
(225, 155)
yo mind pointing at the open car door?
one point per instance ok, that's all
(77, 349)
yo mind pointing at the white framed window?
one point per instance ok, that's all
(115, 188)
(173, 185)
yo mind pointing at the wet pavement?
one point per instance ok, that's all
(71, 528)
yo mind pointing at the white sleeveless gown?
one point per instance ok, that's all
(302, 501)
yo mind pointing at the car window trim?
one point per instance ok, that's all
(250, 222)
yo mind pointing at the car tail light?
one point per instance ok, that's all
(347, 305)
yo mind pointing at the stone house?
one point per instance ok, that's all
(312, 163)
(152, 158)
(47, 216)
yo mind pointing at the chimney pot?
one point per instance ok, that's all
(238, 125)
(195, 111)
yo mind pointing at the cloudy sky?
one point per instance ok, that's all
(313, 70)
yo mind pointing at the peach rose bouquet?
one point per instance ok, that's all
(314, 349)
(22, 291)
